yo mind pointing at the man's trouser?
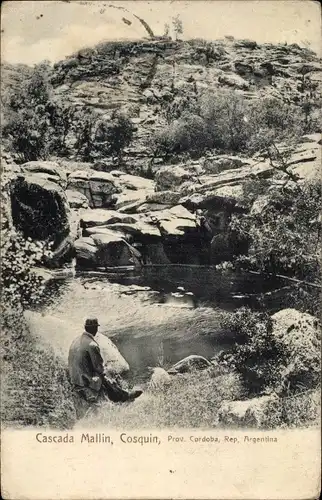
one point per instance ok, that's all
(85, 397)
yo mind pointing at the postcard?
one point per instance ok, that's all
(160, 250)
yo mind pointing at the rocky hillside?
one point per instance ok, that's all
(141, 77)
(122, 219)
(144, 77)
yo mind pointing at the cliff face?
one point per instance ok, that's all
(141, 77)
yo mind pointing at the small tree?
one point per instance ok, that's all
(84, 125)
(310, 103)
(166, 29)
(188, 134)
(96, 137)
(118, 134)
(226, 115)
(255, 350)
(177, 26)
(62, 121)
(27, 123)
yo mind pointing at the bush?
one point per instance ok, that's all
(270, 355)
(27, 121)
(284, 233)
(255, 353)
(301, 410)
(187, 134)
(226, 114)
(228, 122)
(21, 285)
(97, 138)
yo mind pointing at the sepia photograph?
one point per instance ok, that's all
(160, 228)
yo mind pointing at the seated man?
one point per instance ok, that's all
(86, 370)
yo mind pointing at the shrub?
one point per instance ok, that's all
(21, 285)
(255, 353)
(301, 410)
(269, 356)
(225, 113)
(27, 124)
(284, 234)
(97, 138)
(187, 134)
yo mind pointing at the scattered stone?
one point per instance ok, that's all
(248, 413)
(190, 363)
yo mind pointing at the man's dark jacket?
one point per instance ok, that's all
(85, 363)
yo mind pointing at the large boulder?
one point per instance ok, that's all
(114, 362)
(41, 211)
(140, 231)
(114, 251)
(129, 201)
(189, 364)
(171, 178)
(48, 170)
(99, 188)
(175, 222)
(248, 413)
(86, 251)
(306, 159)
(298, 337)
(101, 217)
(233, 80)
(159, 380)
(59, 334)
(217, 164)
(133, 182)
(105, 249)
(164, 198)
(133, 191)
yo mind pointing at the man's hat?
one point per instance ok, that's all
(91, 322)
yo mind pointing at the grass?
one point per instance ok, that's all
(35, 390)
(191, 400)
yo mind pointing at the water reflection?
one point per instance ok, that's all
(156, 318)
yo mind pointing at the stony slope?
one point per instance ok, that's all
(140, 77)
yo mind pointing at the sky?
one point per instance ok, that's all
(33, 31)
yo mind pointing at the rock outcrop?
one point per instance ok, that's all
(41, 211)
(160, 236)
(98, 187)
(298, 336)
(47, 170)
